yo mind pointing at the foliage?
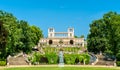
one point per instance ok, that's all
(26, 37)
(105, 34)
(118, 56)
(71, 58)
(35, 59)
(108, 52)
(10, 24)
(36, 34)
(18, 35)
(75, 36)
(3, 41)
(2, 63)
(86, 58)
(82, 36)
(52, 58)
(118, 63)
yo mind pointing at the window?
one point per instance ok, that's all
(51, 30)
(50, 35)
(71, 30)
(50, 42)
(70, 34)
(71, 42)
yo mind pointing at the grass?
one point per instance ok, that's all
(61, 68)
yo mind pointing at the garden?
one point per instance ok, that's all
(51, 56)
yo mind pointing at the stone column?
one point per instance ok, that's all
(83, 44)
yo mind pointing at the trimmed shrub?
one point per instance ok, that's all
(86, 58)
(2, 63)
(43, 60)
(35, 59)
(52, 58)
(118, 57)
(81, 58)
(76, 58)
(118, 63)
(70, 58)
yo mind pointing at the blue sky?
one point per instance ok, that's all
(60, 14)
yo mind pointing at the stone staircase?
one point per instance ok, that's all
(19, 60)
(101, 61)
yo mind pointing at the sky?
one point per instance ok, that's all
(60, 14)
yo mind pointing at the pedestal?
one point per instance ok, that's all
(61, 65)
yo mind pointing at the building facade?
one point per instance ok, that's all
(64, 38)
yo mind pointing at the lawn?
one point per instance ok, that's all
(61, 68)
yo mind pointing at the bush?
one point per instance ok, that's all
(118, 57)
(2, 63)
(118, 63)
(52, 57)
(75, 58)
(86, 58)
(108, 52)
(43, 60)
(80, 57)
(70, 58)
(35, 59)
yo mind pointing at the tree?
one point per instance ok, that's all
(82, 36)
(96, 40)
(14, 33)
(20, 35)
(36, 34)
(3, 41)
(75, 36)
(30, 36)
(105, 34)
(26, 37)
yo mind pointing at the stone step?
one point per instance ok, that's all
(17, 61)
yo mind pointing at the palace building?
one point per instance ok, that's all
(64, 38)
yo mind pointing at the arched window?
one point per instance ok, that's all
(71, 42)
(50, 41)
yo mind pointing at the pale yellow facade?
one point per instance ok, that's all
(64, 38)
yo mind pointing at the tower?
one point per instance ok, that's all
(70, 32)
(51, 32)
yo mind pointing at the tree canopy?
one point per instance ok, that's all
(105, 34)
(82, 36)
(18, 34)
(3, 40)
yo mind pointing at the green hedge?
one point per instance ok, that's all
(118, 59)
(52, 58)
(118, 63)
(35, 59)
(118, 56)
(75, 58)
(80, 58)
(86, 58)
(2, 63)
(69, 58)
